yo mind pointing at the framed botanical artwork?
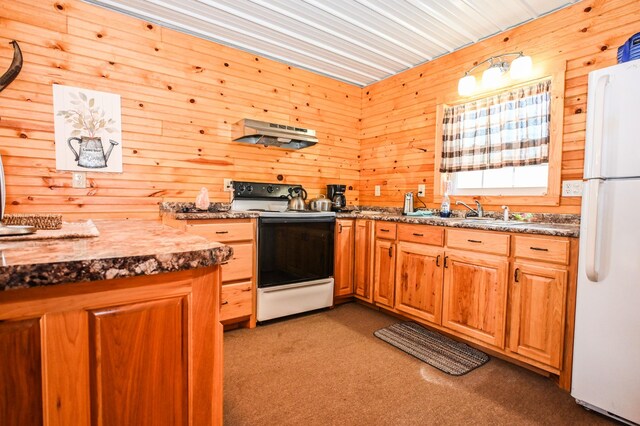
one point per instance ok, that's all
(88, 130)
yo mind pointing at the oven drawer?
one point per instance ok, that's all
(386, 230)
(422, 234)
(224, 231)
(236, 301)
(483, 242)
(240, 266)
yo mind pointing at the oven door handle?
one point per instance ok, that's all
(294, 285)
(322, 219)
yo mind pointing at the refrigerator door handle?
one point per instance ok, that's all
(592, 237)
(598, 127)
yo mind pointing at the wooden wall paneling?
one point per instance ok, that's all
(584, 36)
(180, 96)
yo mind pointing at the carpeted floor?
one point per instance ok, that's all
(329, 369)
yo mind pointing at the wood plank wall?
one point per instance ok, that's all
(398, 114)
(180, 95)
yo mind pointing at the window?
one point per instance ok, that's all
(507, 144)
(525, 180)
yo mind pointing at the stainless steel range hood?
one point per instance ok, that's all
(271, 134)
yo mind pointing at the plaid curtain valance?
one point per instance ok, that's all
(508, 129)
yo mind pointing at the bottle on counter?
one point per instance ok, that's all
(445, 206)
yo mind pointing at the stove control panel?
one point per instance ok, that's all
(261, 190)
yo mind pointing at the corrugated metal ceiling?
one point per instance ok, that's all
(356, 41)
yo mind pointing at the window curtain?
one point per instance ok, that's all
(505, 130)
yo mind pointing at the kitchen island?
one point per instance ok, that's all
(118, 329)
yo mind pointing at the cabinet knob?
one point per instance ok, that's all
(418, 235)
(222, 232)
(340, 228)
(475, 241)
(438, 260)
(516, 275)
(226, 302)
(446, 265)
(390, 251)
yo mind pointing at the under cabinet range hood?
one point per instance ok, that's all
(271, 134)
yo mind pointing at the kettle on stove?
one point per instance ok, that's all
(297, 197)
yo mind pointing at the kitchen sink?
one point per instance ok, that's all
(495, 222)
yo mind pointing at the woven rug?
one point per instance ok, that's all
(439, 351)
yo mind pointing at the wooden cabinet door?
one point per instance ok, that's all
(344, 257)
(20, 373)
(419, 273)
(138, 363)
(475, 296)
(538, 299)
(384, 272)
(363, 273)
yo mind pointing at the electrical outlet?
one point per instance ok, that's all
(79, 180)
(228, 185)
(571, 188)
(421, 190)
(377, 190)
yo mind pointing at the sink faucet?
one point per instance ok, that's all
(479, 212)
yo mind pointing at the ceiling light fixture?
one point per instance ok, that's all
(518, 69)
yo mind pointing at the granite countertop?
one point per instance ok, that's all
(540, 228)
(124, 248)
(211, 215)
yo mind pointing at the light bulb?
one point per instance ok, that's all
(521, 67)
(466, 85)
(491, 77)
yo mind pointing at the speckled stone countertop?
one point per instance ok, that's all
(182, 211)
(124, 248)
(542, 228)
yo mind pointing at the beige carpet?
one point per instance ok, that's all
(329, 369)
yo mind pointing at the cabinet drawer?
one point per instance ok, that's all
(386, 230)
(240, 266)
(235, 301)
(480, 241)
(223, 231)
(421, 234)
(542, 249)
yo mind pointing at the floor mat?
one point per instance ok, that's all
(439, 351)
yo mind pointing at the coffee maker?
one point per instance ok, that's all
(336, 194)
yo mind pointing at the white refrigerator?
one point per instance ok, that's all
(606, 359)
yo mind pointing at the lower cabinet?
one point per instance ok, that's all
(384, 272)
(419, 280)
(475, 296)
(136, 351)
(538, 300)
(363, 267)
(238, 273)
(344, 257)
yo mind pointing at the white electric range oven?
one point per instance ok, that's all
(295, 251)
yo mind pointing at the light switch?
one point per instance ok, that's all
(377, 191)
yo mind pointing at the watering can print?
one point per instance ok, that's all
(90, 153)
